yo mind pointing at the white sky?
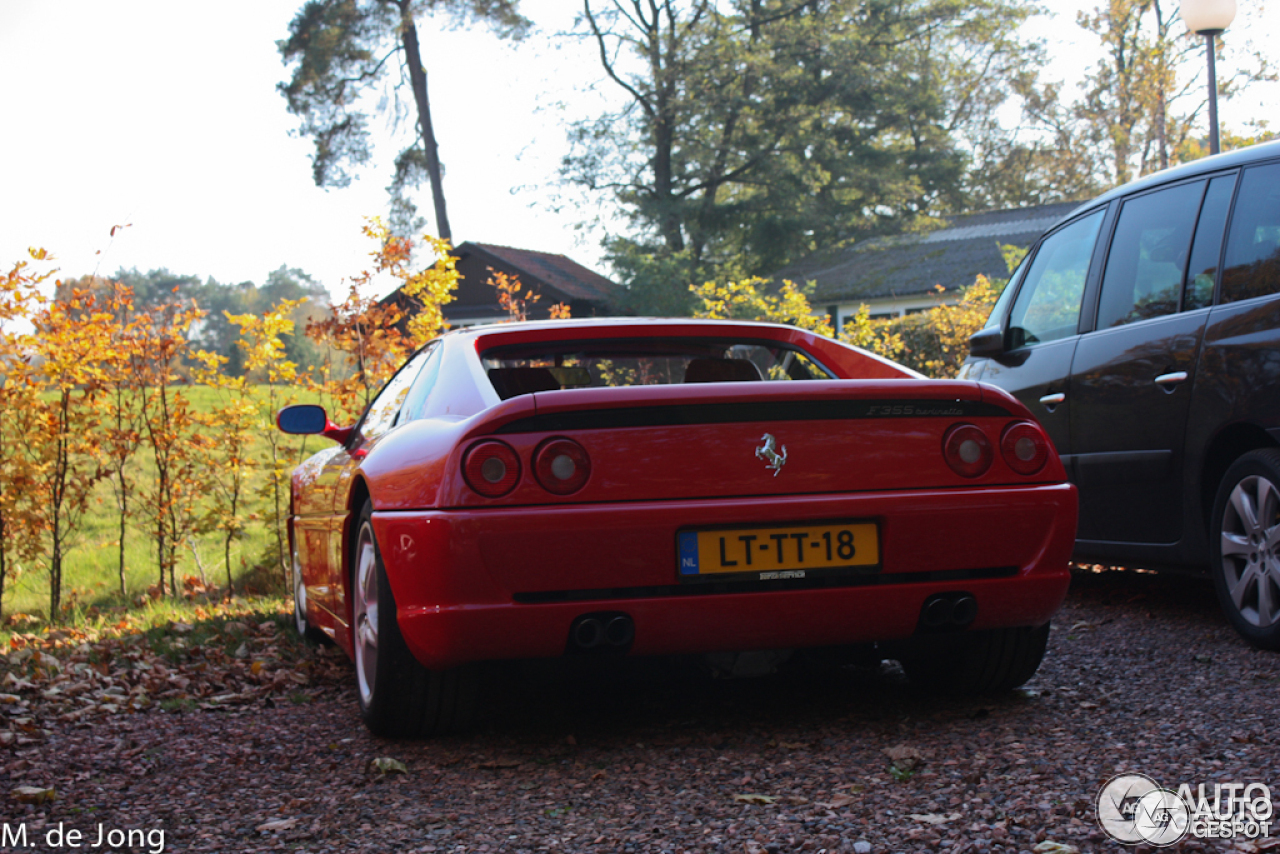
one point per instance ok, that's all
(164, 116)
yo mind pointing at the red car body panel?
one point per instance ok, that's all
(475, 612)
(479, 578)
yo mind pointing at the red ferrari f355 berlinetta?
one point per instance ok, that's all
(645, 487)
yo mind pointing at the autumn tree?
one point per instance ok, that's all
(262, 340)
(230, 423)
(215, 333)
(1138, 109)
(753, 299)
(169, 425)
(21, 522)
(516, 304)
(375, 336)
(122, 422)
(341, 50)
(936, 342)
(63, 447)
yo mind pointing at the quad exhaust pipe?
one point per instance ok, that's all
(948, 611)
(606, 631)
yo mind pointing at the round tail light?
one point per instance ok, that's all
(561, 466)
(491, 468)
(1024, 447)
(967, 450)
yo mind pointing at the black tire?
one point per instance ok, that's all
(984, 662)
(1244, 547)
(399, 698)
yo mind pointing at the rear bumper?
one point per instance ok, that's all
(473, 585)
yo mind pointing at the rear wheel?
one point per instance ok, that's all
(983, 662)
(399, 698)
(1245, 549)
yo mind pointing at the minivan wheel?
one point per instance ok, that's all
(1246, 547)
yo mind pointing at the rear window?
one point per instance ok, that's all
(1252, 268)
(551, 366)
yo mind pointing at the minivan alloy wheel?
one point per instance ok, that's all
(1249, 545)
(1247, 561)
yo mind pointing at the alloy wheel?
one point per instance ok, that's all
(366, 614)
(1250, 549)
(299, 595)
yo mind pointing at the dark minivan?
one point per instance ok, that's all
(1144, 331)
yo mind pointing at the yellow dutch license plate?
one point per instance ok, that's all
(790, 551)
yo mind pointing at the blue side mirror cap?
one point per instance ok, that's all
(303, 419)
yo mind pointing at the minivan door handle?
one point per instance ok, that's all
(1051, 400)
(1171, 379)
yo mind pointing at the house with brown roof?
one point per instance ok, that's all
(900, 275)
(554, 278)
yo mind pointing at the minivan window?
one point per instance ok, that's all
(1148, 257)
(1048, 304)
(1208, 246)
(1252, 266)
(1010, 288)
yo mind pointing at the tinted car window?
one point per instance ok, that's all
(1002, 302)
(381, 414)
(549, 366)
(1252, 266)
(1208, 246)
(1148, 257)
(416, 400)
(1048, 305)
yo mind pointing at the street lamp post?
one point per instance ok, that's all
(1208, 18)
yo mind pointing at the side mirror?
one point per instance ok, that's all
(308, 419)
(986, 343)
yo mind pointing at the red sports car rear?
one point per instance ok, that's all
(653, 487)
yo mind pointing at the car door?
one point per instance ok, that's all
(1131, 378)
(1043, 326)
(324, 526)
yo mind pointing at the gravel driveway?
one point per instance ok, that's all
(1143, 674)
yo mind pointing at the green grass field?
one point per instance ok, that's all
(91, 570)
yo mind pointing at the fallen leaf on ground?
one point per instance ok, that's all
(387, 765)
(503, 762)
(904, 757)
(1051, 847)
(33, 795)
(755, 799)
(277, 825)
(934, 818)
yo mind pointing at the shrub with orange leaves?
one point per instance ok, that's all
(375, 335)
(516, 304)
(171, 430)
(750, 299)
(63, 447)
(936, 342)
(264, 359)
(22, 523)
